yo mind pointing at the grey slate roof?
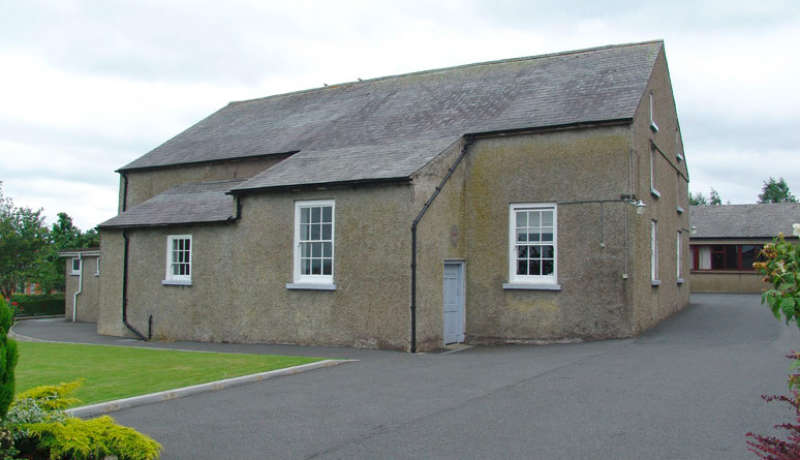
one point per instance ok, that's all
(743, 220)
(391, 127)
(182, 204)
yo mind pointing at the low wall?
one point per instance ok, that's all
(727, 281)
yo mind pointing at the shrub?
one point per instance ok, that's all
(39, 304)
(8, 358)
(41, 428)
(91, 439)
(51, 397)
(771, 447)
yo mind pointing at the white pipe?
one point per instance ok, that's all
(80, 288)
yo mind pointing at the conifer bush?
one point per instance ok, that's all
(8, 358)
(41, 429)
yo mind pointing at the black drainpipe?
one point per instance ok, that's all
(461, 155)
(125, 288)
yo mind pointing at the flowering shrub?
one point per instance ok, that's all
(781, 269)
(780, 266)
(770, 447)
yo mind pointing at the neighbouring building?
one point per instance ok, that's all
(82, 288)
(727, 239)
(533, 199)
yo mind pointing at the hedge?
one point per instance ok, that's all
(35, 305)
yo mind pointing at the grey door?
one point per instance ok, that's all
(453, 302)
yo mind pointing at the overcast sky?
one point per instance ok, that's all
(86, 87)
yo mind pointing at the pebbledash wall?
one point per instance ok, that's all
(88, 300)
(593, 175)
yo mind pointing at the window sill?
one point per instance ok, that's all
(679, 209)
(679, 157)
(532, 286)
(74, 274)
(176, 282)
(655, 192)
(653, 126)
(96, 274)
(311, 286)
(680, 280)
(726, 272)
(655, 283)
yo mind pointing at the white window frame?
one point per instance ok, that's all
(72, 269)
(654, 253)
(300, 278)
(653, 190)
(678, 258)
(653, 125)
(170, 277)
(513, 277)
(97, 269)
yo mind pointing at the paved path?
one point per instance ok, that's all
(686, 389)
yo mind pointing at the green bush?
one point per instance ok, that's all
(41, 429)
(93, 439)
(8, 358)
(51, 397)
(35, 305)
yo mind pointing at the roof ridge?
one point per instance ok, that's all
(460, 66)
(716, 206)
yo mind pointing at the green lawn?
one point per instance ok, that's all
(119, 372)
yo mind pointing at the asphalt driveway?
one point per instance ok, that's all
(686, 389)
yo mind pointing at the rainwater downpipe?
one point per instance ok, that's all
(125, 287)
(80, 288)
(414, 224)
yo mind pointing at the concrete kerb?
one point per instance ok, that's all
(152, 398)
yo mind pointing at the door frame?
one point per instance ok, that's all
(463, 264)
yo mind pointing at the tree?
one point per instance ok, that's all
(63, 235)
(23, 237)
(698, 198)
(715, 200)
(776, 192)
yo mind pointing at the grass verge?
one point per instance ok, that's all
(119, 372)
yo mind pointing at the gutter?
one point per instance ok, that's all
(125, 287)
(467, 142)
(78, 292)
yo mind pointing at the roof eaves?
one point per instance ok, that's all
(166, 224)
(381, 180)
(125, 169)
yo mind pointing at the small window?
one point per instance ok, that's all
(179, 258)
(654, 252)
(653, 125)
(678, 194)
(314, 242)
(97, 268)
(76, 266)
(533, 243)
(653, 159)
